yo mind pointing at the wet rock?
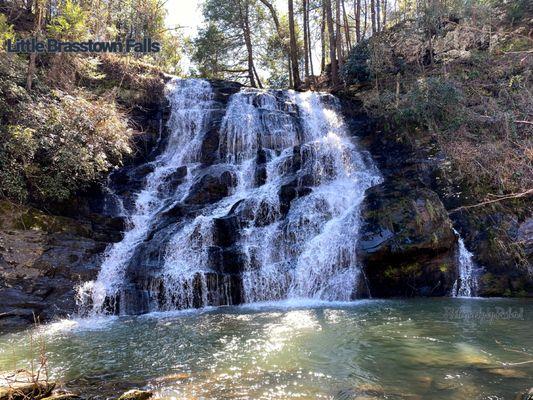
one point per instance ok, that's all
(39, 271)
(290, 191)
(526, 395)
(136, 395)
(407, 244)
(212, 186)
(176, 178)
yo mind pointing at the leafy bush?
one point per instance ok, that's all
(70, 24)
(357, 68)
(6, 31)
(61, 146)
(429, 102)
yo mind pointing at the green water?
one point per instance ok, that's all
(399, 349)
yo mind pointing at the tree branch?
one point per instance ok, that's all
(500, 198)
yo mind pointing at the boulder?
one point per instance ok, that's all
(212, 186)
(406, 243)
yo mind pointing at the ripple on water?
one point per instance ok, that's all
(286, 350)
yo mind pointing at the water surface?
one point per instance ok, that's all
(397, 349)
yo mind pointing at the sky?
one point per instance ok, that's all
(185, 13)
(188, 14)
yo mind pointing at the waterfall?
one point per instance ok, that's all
(466, 284)
(271, 212)
(189, 99)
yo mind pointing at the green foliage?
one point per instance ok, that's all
(70, 23)
(212, 50)
(60, 147)
(357, 68)
(430, 101)
(6, 31)
(220, 49)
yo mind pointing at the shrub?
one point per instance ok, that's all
(6, 31)
(357, 68)
(60, 147)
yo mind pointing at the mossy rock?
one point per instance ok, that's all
(28, 218)
(407, 243)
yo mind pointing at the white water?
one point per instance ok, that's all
(466, 285)
(307, 252)
(189, 100)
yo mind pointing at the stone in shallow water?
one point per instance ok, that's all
(173, 377)
(63, 396)
(508, 372)
(136, 395)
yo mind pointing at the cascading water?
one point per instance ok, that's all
(272, 213)
(466, 285)
(189, 100)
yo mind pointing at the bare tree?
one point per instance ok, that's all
(323, 38)
(357, 17)
(244, 18)
(305, 10)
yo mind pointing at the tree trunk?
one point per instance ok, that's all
(384, 13)
(373, 15)
(378, 15)
(243, 17)
(365, 26)
(294, 49)
(332, 45)
(309, 43)
(323, 39)
(36, 33)
(291, 83)
(346, 27)
(357, 13)
(338, 36)
(306, 38)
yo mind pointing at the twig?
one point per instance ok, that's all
(505, 197)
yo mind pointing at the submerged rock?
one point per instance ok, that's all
(136, 395)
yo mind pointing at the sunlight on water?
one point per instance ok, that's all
(300, 349)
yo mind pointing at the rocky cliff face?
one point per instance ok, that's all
(407, 245)
(43, 257)
(46, 251)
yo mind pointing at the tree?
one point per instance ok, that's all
(373, 15)
(338, 35)
(332, 44)
(37, 27)
(234, 19)
(357, 14)
(293, 48)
